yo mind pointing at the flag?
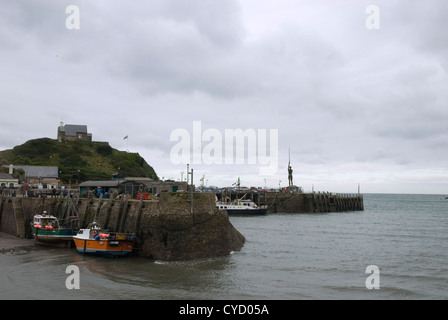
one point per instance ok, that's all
(125, 138)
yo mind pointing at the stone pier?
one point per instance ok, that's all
(315, 202)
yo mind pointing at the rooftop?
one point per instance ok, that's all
(106, 183)
(39, 171)
(6, 176)
(72, 129)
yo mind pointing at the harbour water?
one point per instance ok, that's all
(285, 257)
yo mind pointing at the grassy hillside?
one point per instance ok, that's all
(78, 159)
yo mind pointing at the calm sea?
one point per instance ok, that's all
(285, 257)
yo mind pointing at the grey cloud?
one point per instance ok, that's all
(345, 99)
(220, 22)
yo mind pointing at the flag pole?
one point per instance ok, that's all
(127, 143)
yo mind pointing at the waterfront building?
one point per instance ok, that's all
(45, 177)
(8, 181)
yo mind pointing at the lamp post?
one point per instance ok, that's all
(188, 172)
(191, 193)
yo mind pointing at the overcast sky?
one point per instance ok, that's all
(354, 105)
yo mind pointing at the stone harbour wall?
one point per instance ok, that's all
(165, 228)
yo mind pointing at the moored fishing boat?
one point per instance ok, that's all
(95, 240)
(49, 229)
(241, 207)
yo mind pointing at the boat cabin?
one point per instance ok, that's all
(241, 204)
(46, 221)
(92, 230)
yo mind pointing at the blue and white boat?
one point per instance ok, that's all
(241, 207)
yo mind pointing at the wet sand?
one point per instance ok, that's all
(12, 244)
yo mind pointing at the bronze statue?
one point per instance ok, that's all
(289, 168)
(290, 175)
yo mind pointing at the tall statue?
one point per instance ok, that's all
(290, 175)
(289, 169)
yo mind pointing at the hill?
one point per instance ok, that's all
(83, 160)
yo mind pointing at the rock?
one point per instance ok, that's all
(175, 233)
